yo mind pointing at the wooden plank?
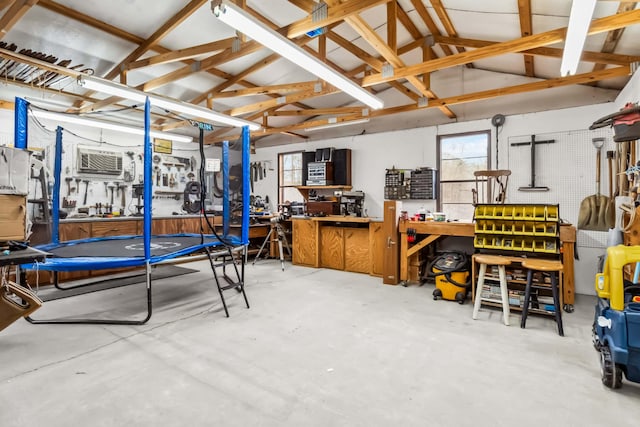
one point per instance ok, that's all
(423, 243)
(392, 26)
(363, 28)
(264, 90)
(589, 56)
(430, 23)
(335, 14)
(614, 36)
(446, 21)
(182, 54)
(517, 45)
(318, 111)
(288, 99)
(94, 23)
(15, 12)
(524, 10)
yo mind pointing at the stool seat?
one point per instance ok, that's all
(542, 265)
(491, 259)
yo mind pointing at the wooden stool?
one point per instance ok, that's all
(553, 268)
(501, 262)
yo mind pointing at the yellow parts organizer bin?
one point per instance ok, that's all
(518, 228)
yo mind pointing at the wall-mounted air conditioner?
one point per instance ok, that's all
(96, 161)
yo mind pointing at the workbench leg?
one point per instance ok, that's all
(568, 287)
(404, 260)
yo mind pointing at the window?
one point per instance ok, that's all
(289, 176)
(460, 155)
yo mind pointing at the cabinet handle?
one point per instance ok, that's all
(390, 242)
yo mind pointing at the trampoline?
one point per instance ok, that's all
(147, 250)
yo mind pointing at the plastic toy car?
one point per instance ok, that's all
(616, 326)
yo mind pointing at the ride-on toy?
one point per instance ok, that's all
(616, 327)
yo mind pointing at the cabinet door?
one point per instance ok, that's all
(391, 264)
(357, 250)
(114, 228)
(332, 247)
(377, 243)
(75, 231)
(166, 226)
(305, 242)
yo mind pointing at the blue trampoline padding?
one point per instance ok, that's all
(122, 251)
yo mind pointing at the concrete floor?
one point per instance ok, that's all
(317, 348)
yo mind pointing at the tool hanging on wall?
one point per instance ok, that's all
(593, 209)
(533, 144)
(86, 191)
(611, 209)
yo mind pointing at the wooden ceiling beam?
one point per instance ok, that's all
(392, 26)
(536, 40)
(280, 101)
(446, 21)
(359, 53)
(335, 14)
(15, 12)
(614, 36)
(609, 73)
(526, 29)
(319, 111)
(264, 90)
(94, 23)
(6, 3)
(430, 23)
(362, 28)
(471, 97)
(588, 56)
(182, 54)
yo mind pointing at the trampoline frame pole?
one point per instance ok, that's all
(57, 172)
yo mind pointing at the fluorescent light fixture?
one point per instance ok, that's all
(69, 118)
(237, 18)
(334, 124)
(579, 20)
(123, 91)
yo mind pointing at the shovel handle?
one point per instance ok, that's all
(598, 160)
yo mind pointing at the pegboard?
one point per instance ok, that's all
(567, 167)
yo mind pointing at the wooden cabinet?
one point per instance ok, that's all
(356, 250)
(305, 242)
(332, 248)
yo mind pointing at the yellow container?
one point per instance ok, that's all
(452, 291)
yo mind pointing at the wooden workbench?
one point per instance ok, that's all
(431, 231)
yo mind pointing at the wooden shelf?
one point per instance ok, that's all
(304, 189)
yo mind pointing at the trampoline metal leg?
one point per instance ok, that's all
(217, 279)
(103, 321)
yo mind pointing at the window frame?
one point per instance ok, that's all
(281, 173)
(439, 139)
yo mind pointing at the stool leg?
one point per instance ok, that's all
(504, 292)
(556, 302)
(527, 296)
(476, 305)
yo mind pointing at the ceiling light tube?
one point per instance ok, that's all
(69, 118)
(240, 20)
(335, 124)
(579, 20)
(123, 91)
